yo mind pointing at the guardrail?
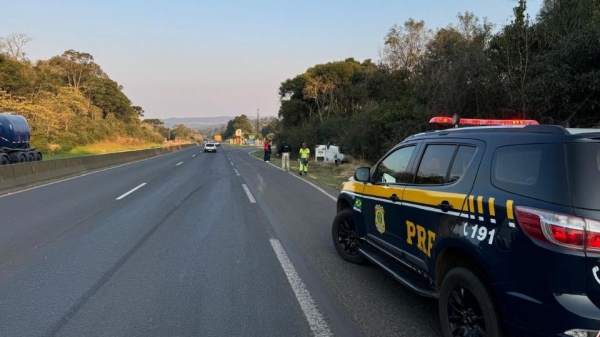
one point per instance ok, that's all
(18, 175)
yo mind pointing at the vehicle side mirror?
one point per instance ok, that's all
(362, 174)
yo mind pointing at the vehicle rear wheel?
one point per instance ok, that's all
(22, 158)
(30, 157)
(4, 160)
(345, 237)
(466, 307)
(38, 156)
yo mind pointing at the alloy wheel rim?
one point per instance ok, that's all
(465, 314)
(347, 238)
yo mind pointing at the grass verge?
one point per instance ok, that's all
(328, 175)
(102, 148)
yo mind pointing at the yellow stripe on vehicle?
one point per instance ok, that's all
(434, 198)
(480, 204)
(382, 191)
(471, 204)
(492, 207)
(509, 209)
(352, 186)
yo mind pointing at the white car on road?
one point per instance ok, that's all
(210, 147)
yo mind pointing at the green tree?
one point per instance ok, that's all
(78, 67)
(155, 122)
(405, 45)
(511, 52)
(239, 122)
(109, 97)
(12, 77)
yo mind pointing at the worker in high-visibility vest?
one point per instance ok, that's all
(304, 158)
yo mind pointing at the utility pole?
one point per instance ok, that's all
(257, 117)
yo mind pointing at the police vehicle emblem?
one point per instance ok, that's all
(379, 218)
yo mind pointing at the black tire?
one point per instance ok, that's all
(30, 157)
(38, 156)
(345, 238)
(466, 306)
(22, 158)
(4, 160)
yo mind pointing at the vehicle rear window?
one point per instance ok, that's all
(534, 170)
(583, 161)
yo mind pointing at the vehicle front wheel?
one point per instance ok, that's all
(466, 307)
(345, 237)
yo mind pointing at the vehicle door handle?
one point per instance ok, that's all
(445, 206)
(394, 198)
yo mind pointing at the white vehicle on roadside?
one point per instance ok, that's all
(329, 154)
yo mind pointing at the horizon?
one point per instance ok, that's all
(184, 59)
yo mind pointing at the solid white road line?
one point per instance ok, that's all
(306, 181)
(179, 163)
(315, 320)
(128, 193)
(315, 186)
(237, 173)
(275, 166)
(249, 194)
(82, 175)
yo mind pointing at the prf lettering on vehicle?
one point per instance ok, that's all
(425, 237)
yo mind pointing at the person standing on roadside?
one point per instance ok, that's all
(285, 150)
(267, 147)
(304, 158)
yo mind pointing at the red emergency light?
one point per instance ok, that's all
(474, 121)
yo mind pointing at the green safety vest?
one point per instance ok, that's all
(304, 153)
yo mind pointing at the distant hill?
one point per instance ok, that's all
(198, 123)
(209, 123)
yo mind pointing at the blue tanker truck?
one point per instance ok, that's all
(14, 140)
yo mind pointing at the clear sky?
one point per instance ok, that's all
(208, 58)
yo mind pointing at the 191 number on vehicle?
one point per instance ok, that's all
(478, 232)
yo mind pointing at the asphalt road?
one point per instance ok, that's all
(190, 244)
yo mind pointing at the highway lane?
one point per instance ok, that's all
(174, 246)
(376, 304)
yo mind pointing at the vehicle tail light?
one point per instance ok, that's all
(530, 222)
(560, 229)
(593, 234)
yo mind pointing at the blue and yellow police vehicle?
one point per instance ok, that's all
(499, 222)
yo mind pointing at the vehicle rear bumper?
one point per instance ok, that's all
(526, 316)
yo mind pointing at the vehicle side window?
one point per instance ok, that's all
(518, 165)
(462, 160)
(393, 169)
(435, 164)
(532, 170)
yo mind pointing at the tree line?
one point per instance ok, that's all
(264, 128)
(69, 100)
(547, 66)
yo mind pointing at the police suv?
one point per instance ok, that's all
(500, 222)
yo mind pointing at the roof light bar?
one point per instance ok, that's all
(474, 121)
